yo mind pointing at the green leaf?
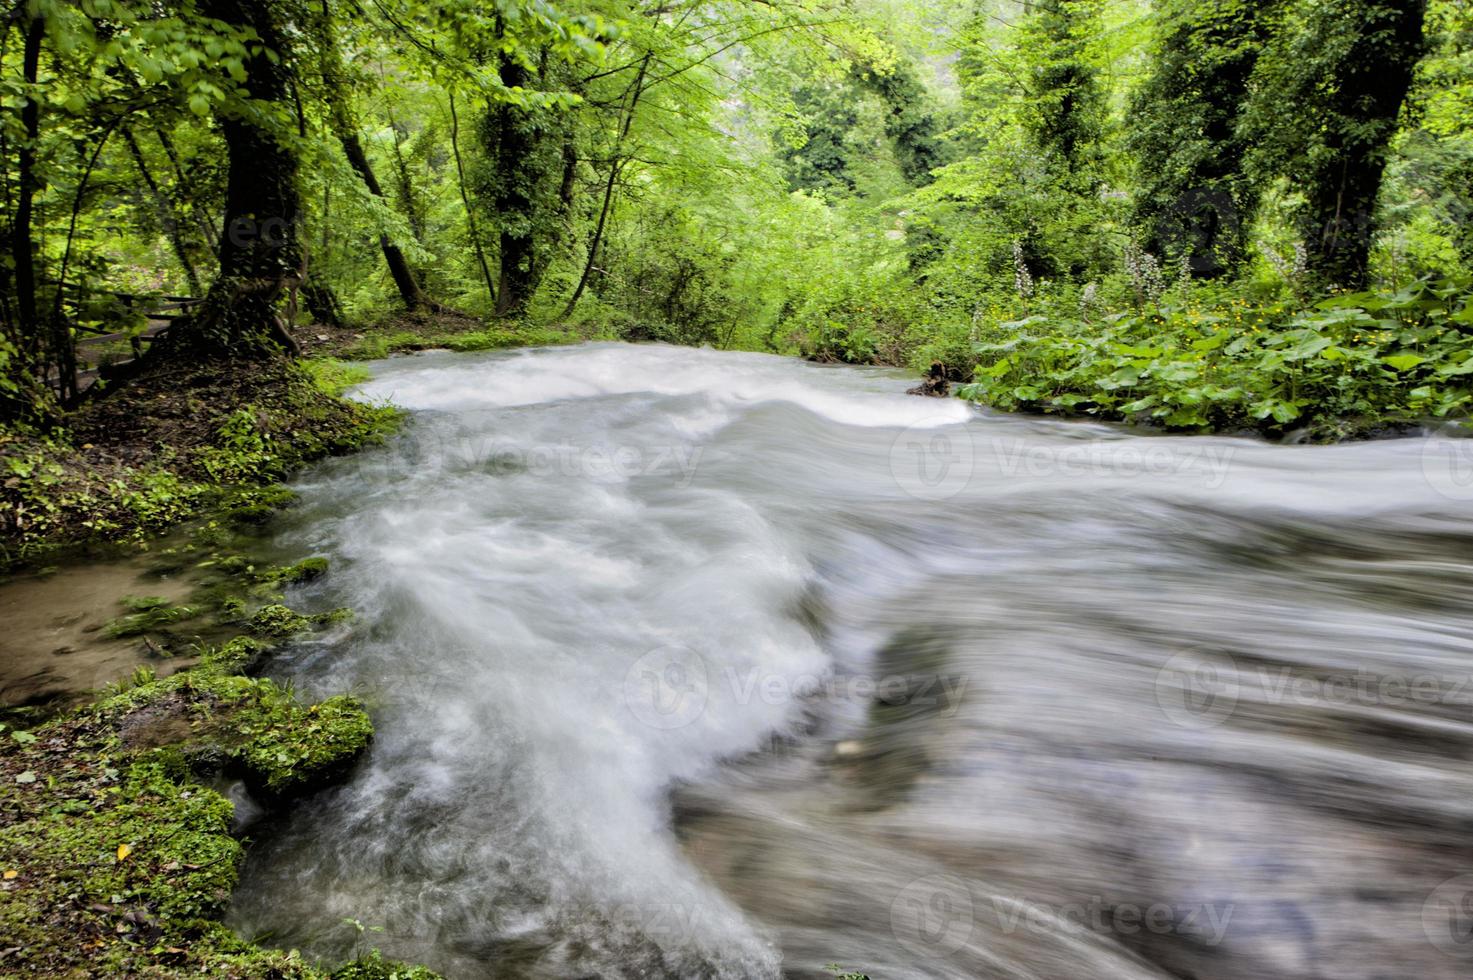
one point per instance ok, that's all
(1404, 362)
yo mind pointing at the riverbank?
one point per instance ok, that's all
(406, 333)
(182, 440)
(178, 441)
(121, 851)
(120, 848)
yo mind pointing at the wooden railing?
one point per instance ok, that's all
(159, 313)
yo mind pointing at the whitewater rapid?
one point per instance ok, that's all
(687, 663)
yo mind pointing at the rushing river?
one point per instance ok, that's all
(697, 664)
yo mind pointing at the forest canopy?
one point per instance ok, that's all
(1204, 213)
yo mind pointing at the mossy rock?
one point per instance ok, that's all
(251, 515)
(289, 750)
(268, 583)
(280, 621)
(117, 862)
(240, 655)
(249, 726)
(306, 570)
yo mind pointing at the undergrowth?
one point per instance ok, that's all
(1351, 365)
(170, 446)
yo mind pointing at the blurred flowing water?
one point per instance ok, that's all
(699, 664)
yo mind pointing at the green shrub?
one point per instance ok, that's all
(1348, 365)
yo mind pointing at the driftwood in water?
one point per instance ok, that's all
(935, 385)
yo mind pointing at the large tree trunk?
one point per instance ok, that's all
(514, 197)
(1371, 83)
(465, 199)
(1195, 198)
(399, 269)
(260, 254)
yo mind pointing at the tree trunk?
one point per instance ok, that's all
(345, 128)
(408, 201)
(1195, 198)
(1371, 84)
(512, 200)
(209, 232)
(260, 254)
(322, 302)
(399, 269)
(615, 165)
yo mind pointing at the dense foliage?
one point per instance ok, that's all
(889, 182)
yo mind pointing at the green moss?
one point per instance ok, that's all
(306, 570)
(236, 656)
(502, 339)
(281, 621)
(290, 750)
(218, 720)
(147, 840)
(122, 862)
(117, 863)
(62, 492)
(374, 346)
(251, 515)
(143, 603)
(149, 620)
